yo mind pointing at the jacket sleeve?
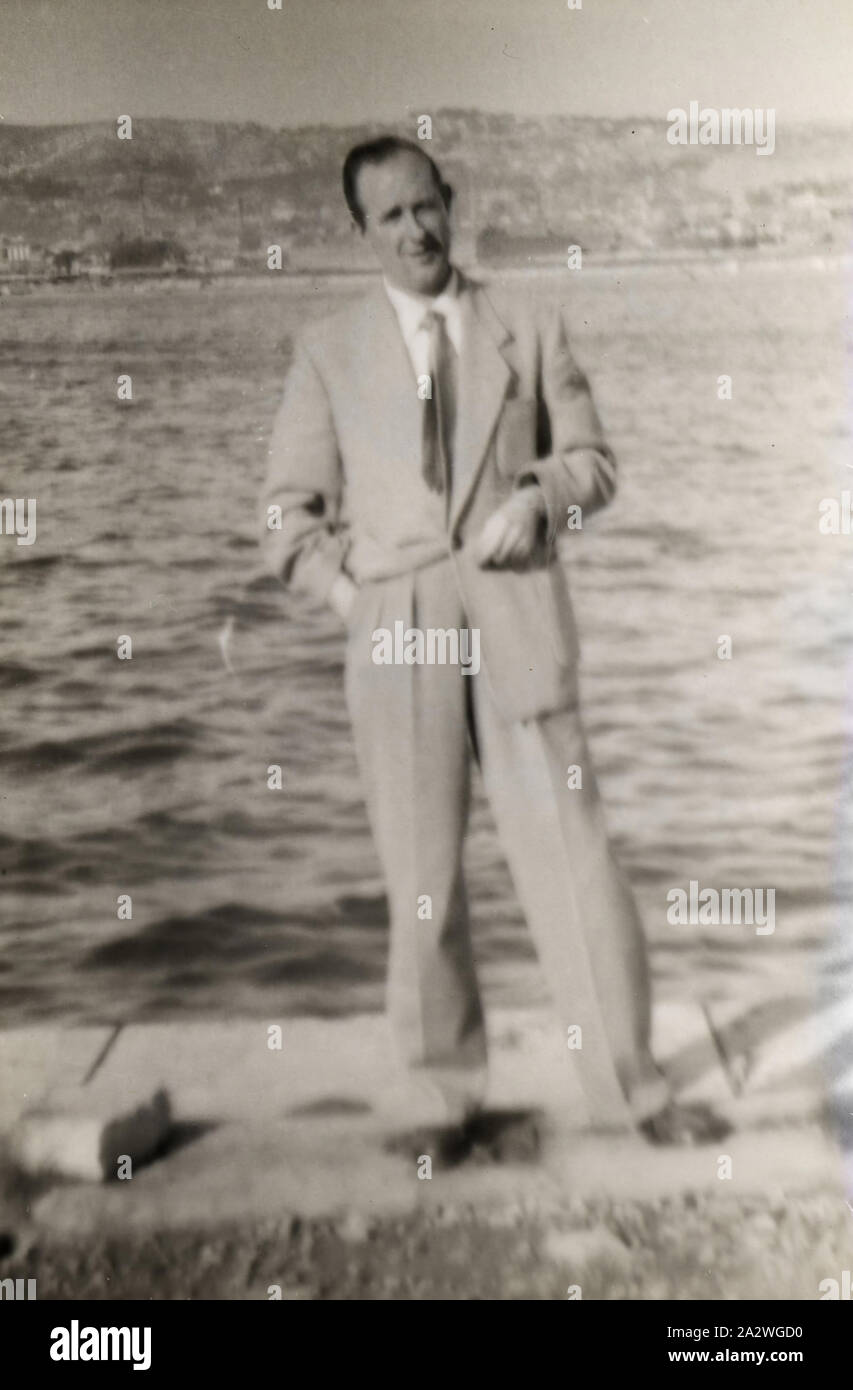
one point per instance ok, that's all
(302, 542)
(578, 467)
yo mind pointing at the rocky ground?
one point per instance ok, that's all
(695, 1246)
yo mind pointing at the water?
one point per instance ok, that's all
(148, 777)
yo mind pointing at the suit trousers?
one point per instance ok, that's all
(417, 729)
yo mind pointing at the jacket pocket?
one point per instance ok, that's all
(527, 636)
(557, 609)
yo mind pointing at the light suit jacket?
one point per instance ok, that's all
(345, 472)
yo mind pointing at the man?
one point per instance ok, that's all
(431, 440)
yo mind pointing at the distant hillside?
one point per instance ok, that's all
(221, 189)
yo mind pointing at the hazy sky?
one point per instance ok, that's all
(342, 60)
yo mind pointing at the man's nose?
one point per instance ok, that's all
(411, 226)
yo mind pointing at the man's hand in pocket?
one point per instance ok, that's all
(341, 596)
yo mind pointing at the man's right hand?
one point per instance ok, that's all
(341, 596)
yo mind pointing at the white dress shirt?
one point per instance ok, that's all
(411, 310)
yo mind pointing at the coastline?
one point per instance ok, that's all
(706, 262)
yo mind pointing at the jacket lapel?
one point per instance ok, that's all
(382, 359)
(484, 374)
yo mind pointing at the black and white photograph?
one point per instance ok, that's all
(425, 653)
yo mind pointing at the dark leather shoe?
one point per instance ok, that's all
(446, 1145)
(684, 1125)
(510, 1136)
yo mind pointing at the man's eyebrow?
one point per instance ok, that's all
(390, 212)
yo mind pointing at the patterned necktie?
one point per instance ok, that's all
(439, 416)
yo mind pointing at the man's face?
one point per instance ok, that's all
(406, 222)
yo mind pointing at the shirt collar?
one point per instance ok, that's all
(411, 308)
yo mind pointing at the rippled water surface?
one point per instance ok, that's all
(148, 777)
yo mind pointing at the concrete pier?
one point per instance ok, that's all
(260, 1131)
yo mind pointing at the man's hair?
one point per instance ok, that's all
(376, 152)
